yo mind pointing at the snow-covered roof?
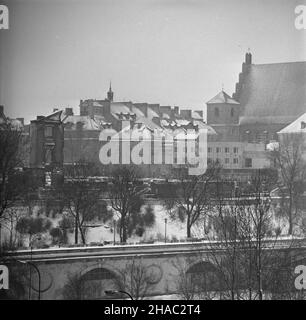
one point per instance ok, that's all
(297, 126)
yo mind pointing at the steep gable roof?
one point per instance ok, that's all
(274, 90)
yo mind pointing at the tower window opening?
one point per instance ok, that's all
(216, 112)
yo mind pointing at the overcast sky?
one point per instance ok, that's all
(172, 52)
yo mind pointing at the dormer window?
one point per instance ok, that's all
(303, 125)
(79, 125)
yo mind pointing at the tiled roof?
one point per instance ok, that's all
(274, 90)
(245, 120)
(196, 115)
(148, 123)
(152, 113)
(137, 111)
(202, 125)
(119, 107)
(88, 123)
(222, 97)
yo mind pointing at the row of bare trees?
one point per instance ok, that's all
(192, 197)
(242, 257)
(121, 198)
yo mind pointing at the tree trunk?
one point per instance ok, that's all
(123, 235)
(188, 227)
(82, 235)
(76, 230)
(290, 214)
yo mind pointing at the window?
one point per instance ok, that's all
(48, 131)
(217, 112)
(209, 160)
(235, 150)
(232, 112)
(235, 160)
(266, 136)
(218, 161)
(227, 160)
(226, 149)
(218, 149)
(248, 136)
(248, 162)
(209, 149)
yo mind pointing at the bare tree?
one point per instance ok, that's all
(32, 226)
(288, 159)
(125, 194)
(73, 288)
(10, 219)
(191, 196)
(10, 159)
(82, 198)
(136, 279)
(198, 280)
(242, 226)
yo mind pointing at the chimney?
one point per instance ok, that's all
(176, 110)
(69, 112)
(21, 120)
(1, 110)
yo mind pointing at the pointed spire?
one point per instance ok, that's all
(110, 94)
(248, 57)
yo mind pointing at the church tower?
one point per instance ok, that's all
(223, 116)
(110, 93)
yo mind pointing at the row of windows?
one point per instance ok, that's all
(248, 161)
(226, 160)
(226, 149)
(260, 136)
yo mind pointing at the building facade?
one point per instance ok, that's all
(268, 97)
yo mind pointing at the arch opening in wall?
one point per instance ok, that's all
(96, 281)
(204, 277)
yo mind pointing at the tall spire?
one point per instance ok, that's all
(110, 93)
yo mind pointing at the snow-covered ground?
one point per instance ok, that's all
(103, 233)
(174, 230)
